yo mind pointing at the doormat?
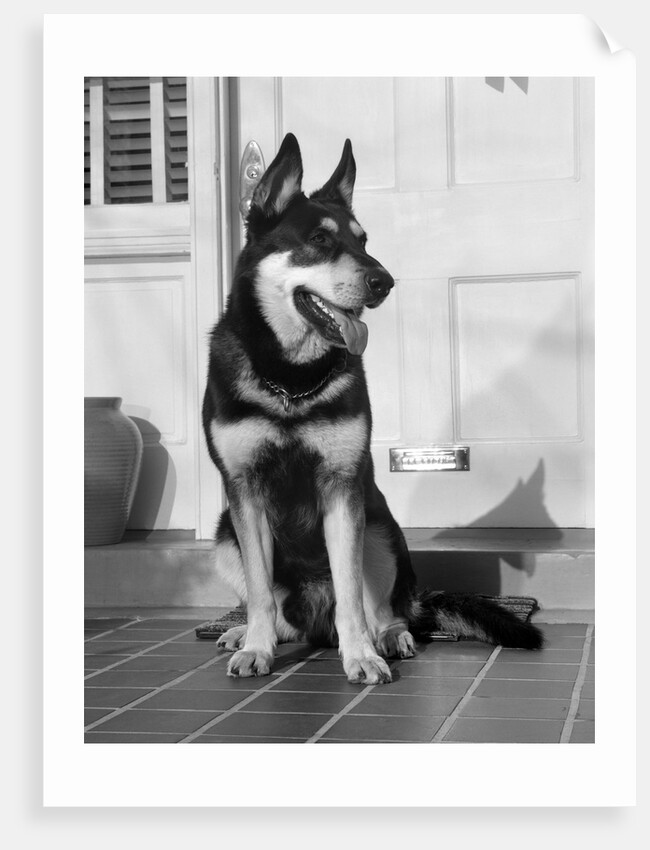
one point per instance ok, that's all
(522, 607)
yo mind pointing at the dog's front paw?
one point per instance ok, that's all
(368, 670)
(232, 639)
(397, 643)
(250, 662)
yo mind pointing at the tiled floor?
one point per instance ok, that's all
(151, 680)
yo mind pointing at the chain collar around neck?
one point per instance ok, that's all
(289, 398)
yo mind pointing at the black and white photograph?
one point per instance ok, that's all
(397, 395)
(340, 412)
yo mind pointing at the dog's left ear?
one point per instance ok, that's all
(341, 184)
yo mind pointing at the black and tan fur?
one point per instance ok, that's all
(308, 541)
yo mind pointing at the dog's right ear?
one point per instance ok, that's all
(280, 183)
(340, 186)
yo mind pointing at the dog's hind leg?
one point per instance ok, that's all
(389, 631)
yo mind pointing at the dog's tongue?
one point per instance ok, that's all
(353, 330)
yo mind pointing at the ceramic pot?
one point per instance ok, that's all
(112, 458)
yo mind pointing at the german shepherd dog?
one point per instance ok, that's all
(308, 542)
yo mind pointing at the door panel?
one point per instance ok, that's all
(140, 346)
(516, 359)
(477, 194)
(506, 136)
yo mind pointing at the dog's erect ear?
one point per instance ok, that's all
(280, 182)
(341, 184)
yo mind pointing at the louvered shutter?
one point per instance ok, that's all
(135, 140)
(86, 142)
(175, 92)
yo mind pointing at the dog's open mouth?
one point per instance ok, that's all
(340, 327)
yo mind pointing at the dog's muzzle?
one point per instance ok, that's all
(379, 283)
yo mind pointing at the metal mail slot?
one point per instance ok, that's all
(430, 459)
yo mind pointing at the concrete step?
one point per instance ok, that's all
(171, 570)
(554, 565)
(161, 571)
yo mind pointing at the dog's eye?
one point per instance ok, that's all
(363, 240)
(319, 238)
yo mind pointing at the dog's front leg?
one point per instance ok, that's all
(343, 525)
(256, 545)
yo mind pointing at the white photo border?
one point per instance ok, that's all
(359, 775)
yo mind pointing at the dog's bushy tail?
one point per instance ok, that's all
(471, 617)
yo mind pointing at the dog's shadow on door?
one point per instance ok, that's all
(472, 558)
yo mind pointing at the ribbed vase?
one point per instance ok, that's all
(112, 455)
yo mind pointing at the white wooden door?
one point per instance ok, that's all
(477, 194)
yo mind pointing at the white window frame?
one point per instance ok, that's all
(158, 229)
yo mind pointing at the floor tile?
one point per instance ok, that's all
(105, 625)
(325, 666)
(93, 737)
(444, 669)
(519, 670)
(285, 662)
(194, 700)
(270, 725)
(215, 678)
(436, 669)
(351, 743)
(555, 629)
(199, 650)
(524, 688)
(149, 635)
(98, 662)
(296, 702)
(586, 710)
(113, 647)
(499, 730)
(583, 732)
(564, 642)
(303, 650)
(541, 709)
(405, 705)
(242, 739)
(323, 684)
(433, 686)
(550, 656)
(112, 697)
(190, 637)
(457, 651)
(328, 652)
(355, 727)
(180, 663)
(146, 720)
(131, 678)
(169, 625)
(92, 714)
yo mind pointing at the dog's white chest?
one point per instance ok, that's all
(338, 443)
(336, 446)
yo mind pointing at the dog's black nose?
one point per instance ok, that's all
(379, 282)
